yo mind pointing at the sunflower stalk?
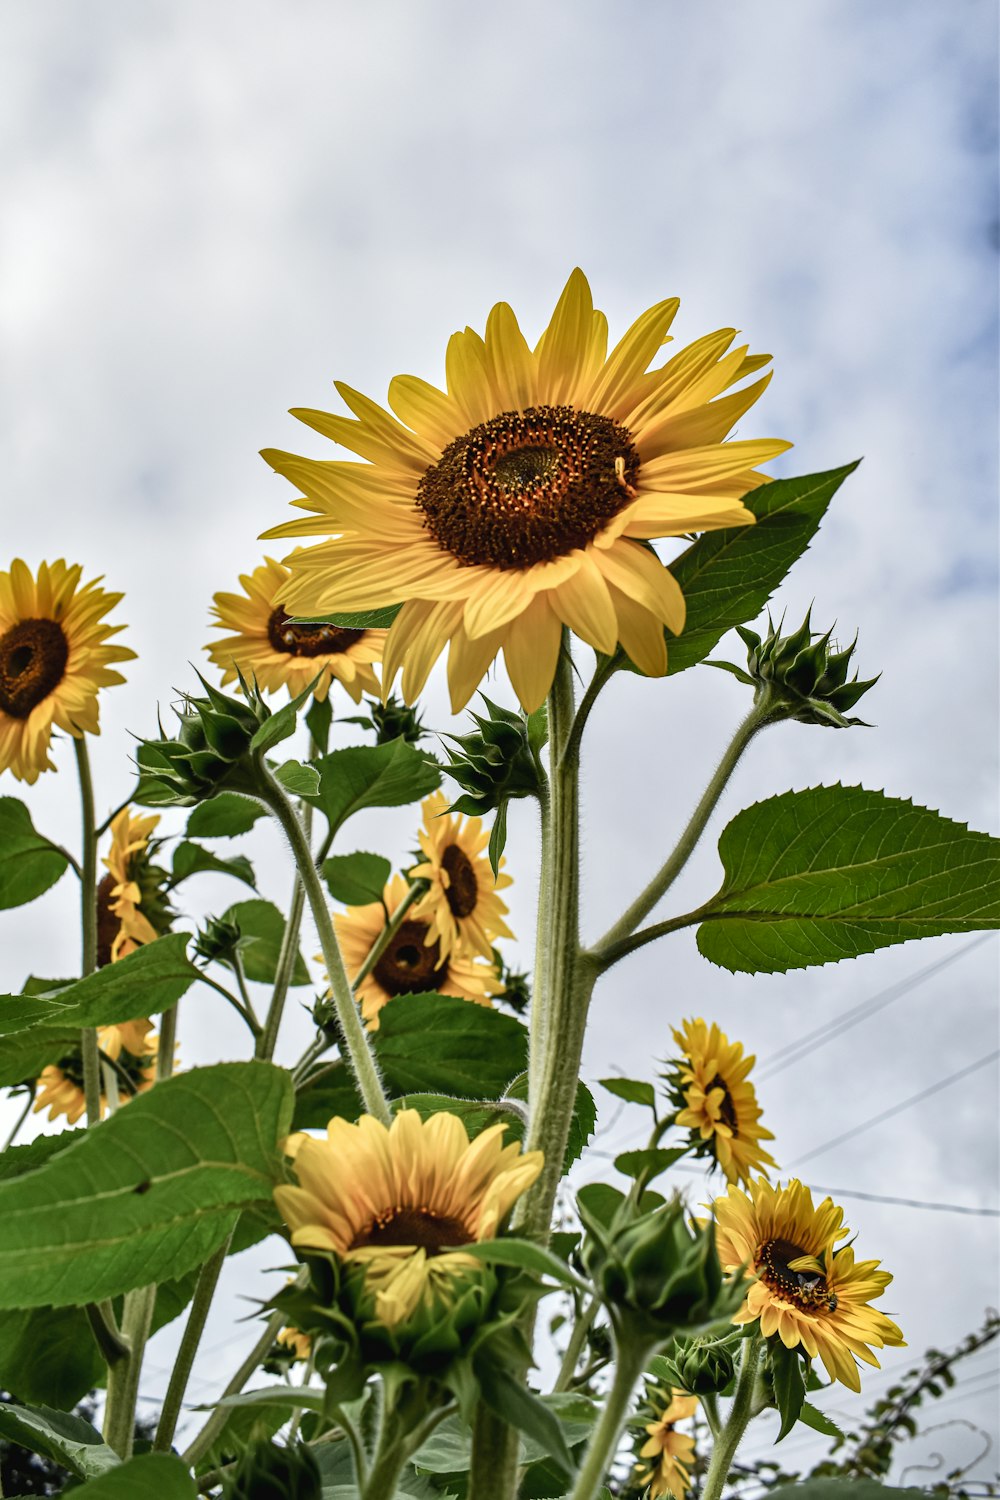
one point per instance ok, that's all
(632, 1356)
(219, 1417)
(88, 926)
(208, 1280)
(740, 1413)
(123, 1376)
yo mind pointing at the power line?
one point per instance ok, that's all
(896, 1109)
(944, 1208)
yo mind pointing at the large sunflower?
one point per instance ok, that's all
(401, 1201)
(668, 1454)
(131, 1048)
(804, 1290)
(54, 658)
(412, 962)
(130, 894)
(718, 1101)
(277, 653)
(522, 498)
(462, 906)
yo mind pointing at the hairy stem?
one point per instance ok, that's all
(574, 1348)
(599, 1457)
(123, 1376)
(208, 1280)
(268, 1038)
(88, 926)
(737, 1418)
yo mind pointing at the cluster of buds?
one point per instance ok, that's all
(218, 941)
(798, 676)
(703, 1366)
(499, 761)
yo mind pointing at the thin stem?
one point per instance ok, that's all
(208, 1280)
(603, 673)
(167, 1043)
(70, 859)
(357, 1446)
(357, 1048)
(26, 1111)
(103, 827)
(101, 1317)
(610, 954)
(268, 1038)
(607, 1434)
(385, 937)
(228, 995)
(206, 1437)
(669, 871)
(574, 1348)
(736, 1422)
(241, 985)
(123, 1376)
(88, 925)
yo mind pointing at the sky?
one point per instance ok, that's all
(211, 212)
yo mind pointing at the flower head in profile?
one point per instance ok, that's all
(130, 1048)
(131, 906)
(412, 963)
(718, 1103)
(270, 648)
(465, 913)
(667, 1455)
(805, 1291)
(55, 657)
(522, 497)
(398, 1203)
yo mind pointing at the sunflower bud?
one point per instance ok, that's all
(391, 720)
(218, 941)
(702, 1366)
(498, 762)
(799, 677)
(270, 1472)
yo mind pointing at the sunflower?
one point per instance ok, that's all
(805, 1291)
(275, 652)
(412, 962)
(718, 1102)
(130, 1046)
(298, 1344)
(131, 884)
(462, 906)
(522, 499)
(400, 1201)
(669, 1453)
(54, 658)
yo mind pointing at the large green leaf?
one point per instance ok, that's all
(151, 1476)
(361, 776)
(48, 1354)
(36, 1029)
(28, 863)
(147, 1194)
(356, 879)
(224, 816)
(728, 576)
(193, 859)
(828, 873)
(67, 1440)
(262, 928)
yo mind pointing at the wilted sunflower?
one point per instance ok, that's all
(520, 499)
(54, 659)
(131, 907)
(805, 1291)
(412, 962)
(131, 1047)
(719, 1103)
(269, 648)
(400, 1201)
(462, 906)
(668, 1453)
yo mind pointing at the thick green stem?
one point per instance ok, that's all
(208, 1280)
(736, 1421)
(358, 1051)
(631, 1359)
(383, 1476)
(613, 945)
(496, 1451)
(88, 926)
(123, 1376)
(577, 1340)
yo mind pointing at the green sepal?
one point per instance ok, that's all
(788, 1380)
(498, 837)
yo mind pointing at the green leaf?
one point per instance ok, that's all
(151, 1476)
(361, 776)
(224, 816)
(69, 1441)
(287, 1398)
(356, 879)
(300, 780)
(281, 724)
(650, 1162)
(517, 1404)
(728, 576)
(789, 1384)
(192, 859)
(148, 1194)
(818, 1420)
(443, 1044)
(634, 1090)
(498, 837)
(35, 1029)
(848, 1489)
(527, 1256)
(28, 863)
(362, 619)
(262, 928)
(828, 873)
(48, 1354)
(448, 1450)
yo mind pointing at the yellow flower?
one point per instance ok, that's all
(121, 925)
(520, 500)
(804, 1290)
(719, 1103)
(671, 1452)
(300, 1344)
(275, 653)
(131, 1045)
(54, 658)
(412, 963)
(400, 1201)
(462, 906)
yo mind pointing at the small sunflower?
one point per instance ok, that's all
(400, 1201)
(131, 907)
(54, 659)
(522, 498)
(668, 1453)
(805, 1291)
(718, 1102)
(297, 1343)
(462, 906)
(412, 963)
(130, 1046)
(276, 653)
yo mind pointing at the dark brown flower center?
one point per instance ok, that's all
(107, 923)
(295, 639)
(807, 1288)
(423, 1227)
(727, 1109)
(527, 487)
(409, 966)
(463, 887)
(33, 657)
